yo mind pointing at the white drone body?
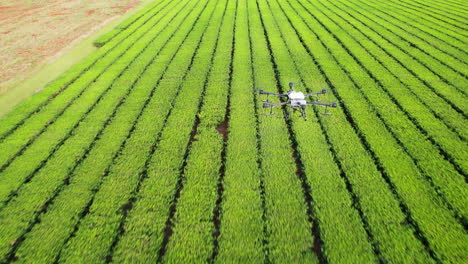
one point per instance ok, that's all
(296, 100)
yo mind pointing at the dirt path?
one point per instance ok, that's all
(34, 32)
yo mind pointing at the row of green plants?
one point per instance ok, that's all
(158, 199)
(58, 118)
(194, 230)
(102, 230)
(290, 222)
(422, 18)
(49, 179)
(435, 61)
(327, 189)
(456, 7)
(451, 49)
(79, 74)
(336, 224)
(400, 70)
(424, 211)
(242, 237)
(142, 14)
(389, 94)
(341, 86)
(437, 12)
(451, 40)
(36, 156)
(450, 57)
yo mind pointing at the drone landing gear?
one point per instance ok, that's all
(303, 113)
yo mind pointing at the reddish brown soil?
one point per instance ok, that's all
(223, 128)
(33, 32)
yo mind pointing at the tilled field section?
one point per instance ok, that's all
(156, 147)
(35, 31)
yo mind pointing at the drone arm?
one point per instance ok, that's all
(275, 94)
(323, 104)
(317, 93)
(265, 105)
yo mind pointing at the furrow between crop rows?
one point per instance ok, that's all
(223, 128)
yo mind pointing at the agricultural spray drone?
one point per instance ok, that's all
(296, 100)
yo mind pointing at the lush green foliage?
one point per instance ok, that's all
(156, 148)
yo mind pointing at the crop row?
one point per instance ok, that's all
(400, 70)
(342, 141)
(194, 228)
(432, 12)
(105, 38)
(71, 84)
(158, 198)
(444, 36)
(420, 122)
(424, 211)
(422, 18)
(458, 5)
(442, 20)
(133, 169)
(242, 236)
(338, 230)
(57, 171)
(441, 11)
(361, 175)
(291, 223)
(38, 155)
(449, 52)
(436, 61)
(67, 109)
(452, 48)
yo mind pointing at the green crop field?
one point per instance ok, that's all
(156, 148)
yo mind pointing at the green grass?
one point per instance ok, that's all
(120, 158)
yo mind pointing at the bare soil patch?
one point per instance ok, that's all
(34, 32)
